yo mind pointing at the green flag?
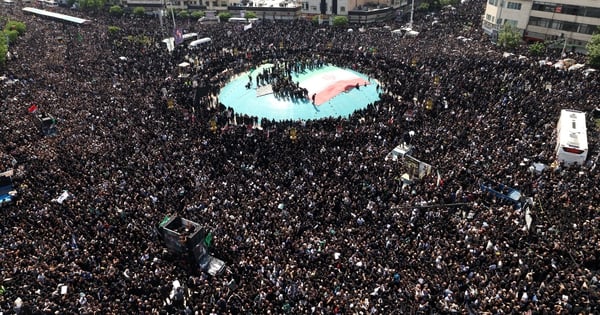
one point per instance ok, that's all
(208, 239)
(165, 220)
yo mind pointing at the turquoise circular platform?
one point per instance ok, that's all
(334, 87)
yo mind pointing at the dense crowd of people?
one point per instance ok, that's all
(319, 225)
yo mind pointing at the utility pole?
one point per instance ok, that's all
(412, 13)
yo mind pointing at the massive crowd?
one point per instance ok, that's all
(320, 225)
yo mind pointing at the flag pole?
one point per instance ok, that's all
(173, 16)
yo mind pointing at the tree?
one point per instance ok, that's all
(16, 26)
(340, 21)
(91, 5)
(113, 30)
(250, 15)
(139, 11)
(444, 3)
(3, 50)
(115, 10)
(509, 37)
(197, 14)
(537, 48)
(424, 6)
(12, 35)
(224, 16)
(593, 49)
(183, 14)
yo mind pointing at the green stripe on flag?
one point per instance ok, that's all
(165, 220)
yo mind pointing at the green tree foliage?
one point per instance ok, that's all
(250, 15)
(115, 10)
(139, 11)
(509, 37)
(593, 49)
(183, 14)
(224, 16)
(340, 21)
(16, 26)
(424, 6)
(113, 30)
(139, 39)
(444, 3)
(197, 14)
(3, 50)
(315, 19)
(537, 48)
(91, 5)
(12, 35)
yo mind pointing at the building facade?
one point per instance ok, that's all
(270, 7)
(569, 23)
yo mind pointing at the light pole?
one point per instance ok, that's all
(173, 16)
(412, 13)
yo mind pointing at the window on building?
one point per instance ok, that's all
(313, 8)
(513, 5)
(570, 26)
(571, 9)
(499, 21)
(592, 12)
(587, 29)
(543, 6)
(304, 5)
(493, 2)
(488, 17)
(342, 9)
(538, 21)
(511, 22)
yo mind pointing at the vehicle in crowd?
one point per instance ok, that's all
(571, 138)
(47, 124)
(48, 3)
(189, 238)
(200, 42)
(237, 20)
(243, 20)
(8, 192)
(209, 17)
(170, 41)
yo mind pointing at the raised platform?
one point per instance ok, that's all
(339, 93)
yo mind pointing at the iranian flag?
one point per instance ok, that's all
(331, 81)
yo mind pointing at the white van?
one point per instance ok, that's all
(571, 137)
(48, 3)
(199, 42)
(238, 20)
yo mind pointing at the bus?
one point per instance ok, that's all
(571, 137)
